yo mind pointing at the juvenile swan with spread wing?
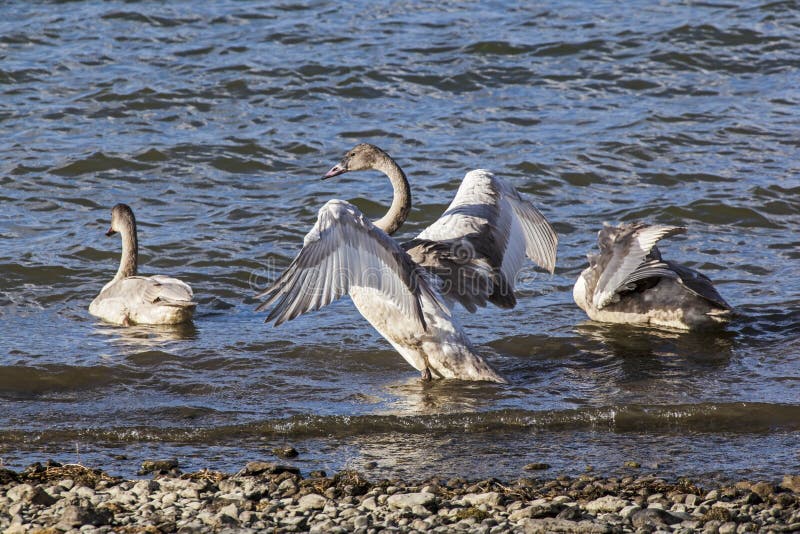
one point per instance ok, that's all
(129, 299)
(629, 282)
(471, 255)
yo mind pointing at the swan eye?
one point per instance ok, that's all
(351, 155)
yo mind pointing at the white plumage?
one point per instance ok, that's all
(470, 255)
(129, 299)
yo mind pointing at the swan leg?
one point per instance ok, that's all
(127, 321)
(426, 375)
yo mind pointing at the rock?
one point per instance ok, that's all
(420, 510)
(547, 525)
(269, 468)
(285, 452)
(228, 515)
(318, 474)
(351, 483)
(791, 483)
(606, 504)
(536, 466)
(369, 503)
(7, 476)
(312, 501)
(692, 500)
(21, 492)
(653, 517)
(628, 511)
(361, 521)
(728, 528)
(158, 466)
(407, 500)
(74, 516)
(632, 465)
(491, 498)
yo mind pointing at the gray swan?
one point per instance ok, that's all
(629, 282)
(471, 255)
(130, 299)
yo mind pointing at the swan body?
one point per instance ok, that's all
(629, 282)
(469, 256)
(130, 299)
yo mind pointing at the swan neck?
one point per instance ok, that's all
(130, 252)
(401, 199)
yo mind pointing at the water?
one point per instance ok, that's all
(215, 123)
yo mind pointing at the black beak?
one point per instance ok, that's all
(110, 232)
(336, 170)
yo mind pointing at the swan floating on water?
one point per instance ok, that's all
(629, 282)
(471, 255)
(129, 299)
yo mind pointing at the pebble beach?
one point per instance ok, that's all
(267, 496)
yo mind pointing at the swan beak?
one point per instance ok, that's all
(110, 232)
(336, 170)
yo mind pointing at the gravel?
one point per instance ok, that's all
(268, 496)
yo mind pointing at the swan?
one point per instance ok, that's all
(471, 256)
(129, 299)
(629, 282)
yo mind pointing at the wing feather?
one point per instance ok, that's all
(343, 250)
(625, 252)
(478, 246)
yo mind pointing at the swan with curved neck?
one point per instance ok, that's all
(469, 256)
(130, 299)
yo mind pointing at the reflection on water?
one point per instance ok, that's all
(146, 336)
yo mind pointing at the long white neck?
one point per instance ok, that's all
(130, 252)
(401, 199)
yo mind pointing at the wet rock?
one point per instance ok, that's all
(632, 465)
(269, 468)
(158, 466)
(536, 466)
(286, 452)
(407, 500)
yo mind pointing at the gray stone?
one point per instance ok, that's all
(653, 517)
(727, 528)
(407, 500)
(22, 492)
(312, 501)
(605, 504)
(547, 525)
(361, 521)
(491, 498)
(269, 468)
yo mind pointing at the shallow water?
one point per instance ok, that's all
(215, 123)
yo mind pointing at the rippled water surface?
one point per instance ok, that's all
(215, 123)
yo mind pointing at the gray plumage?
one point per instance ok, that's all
(629, 282)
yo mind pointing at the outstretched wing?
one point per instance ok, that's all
(628, 255)
(479, 244)
(344, 250)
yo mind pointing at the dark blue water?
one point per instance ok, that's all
(215, 122)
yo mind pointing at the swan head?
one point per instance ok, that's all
(121, 219)
(361, 157)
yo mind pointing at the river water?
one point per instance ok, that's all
(215, 121)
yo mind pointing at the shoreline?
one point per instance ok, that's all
(272, 496)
